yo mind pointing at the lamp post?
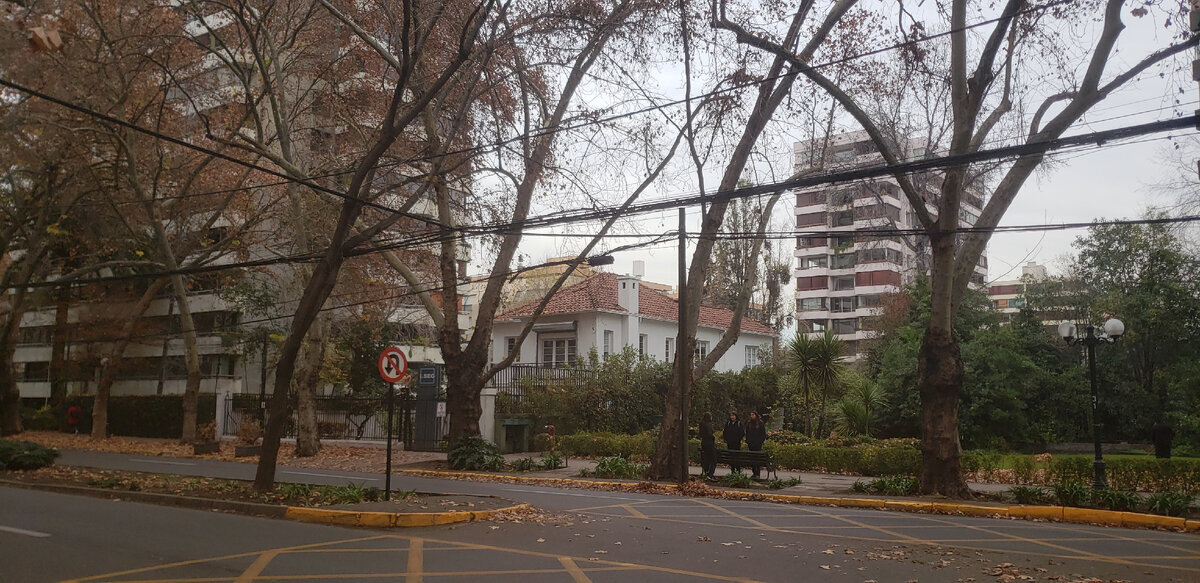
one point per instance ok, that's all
(1113, 329)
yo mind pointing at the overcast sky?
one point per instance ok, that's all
(1114, 181)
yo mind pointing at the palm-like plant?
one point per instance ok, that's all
(817, 363)
(856, 410)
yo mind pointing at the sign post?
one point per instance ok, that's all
(392, 366)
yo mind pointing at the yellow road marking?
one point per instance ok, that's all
(732, 513)
(573, 570)
(222, 558)
(416, 560)
(256, 568)
(634, 512)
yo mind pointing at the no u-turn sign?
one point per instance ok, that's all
(392, 364)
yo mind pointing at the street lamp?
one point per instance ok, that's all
(1113, 329)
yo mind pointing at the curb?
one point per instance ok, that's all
(1066, 514)
(297, 513)
(392, 519)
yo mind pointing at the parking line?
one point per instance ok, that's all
(15, 530)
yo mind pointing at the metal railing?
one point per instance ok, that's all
(518, 379)
(348, 418)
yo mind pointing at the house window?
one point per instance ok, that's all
(509, 344)
(559, 352)
(808, 304)
(752, 356)
(468, 304)
(701, 349)
(843, 283)
(608, 343)
(643, 344)
(670, 354)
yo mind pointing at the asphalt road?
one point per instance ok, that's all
(595, 536)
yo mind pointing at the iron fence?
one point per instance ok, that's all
(517, 380)
(350, 418)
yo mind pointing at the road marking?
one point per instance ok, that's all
(146, 461)
(330, 476)
(572, 494)
(32, 533)
(416, 560)
(257, 567)
(572, 569)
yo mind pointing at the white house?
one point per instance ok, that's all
(609, 312)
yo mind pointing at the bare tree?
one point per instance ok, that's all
(981, 76)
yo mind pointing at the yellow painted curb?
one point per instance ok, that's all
(1092, 516)
(1042, 512)
(969, 509)
(501, 477)
(1192, 525)
(860, 503)
(908, 505)
(390, 519)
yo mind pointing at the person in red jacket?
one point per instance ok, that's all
(74, 416)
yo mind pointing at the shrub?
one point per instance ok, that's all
(1072, 493)
(894, 486)
(248, 431)
(1070, 469)
(602, 444)
(777, 484)
(474, 453)
(1028, 494)
(1169, 503)
(1023, 468)
(23, 455)
(875, 459)
(737, 480)
(552, 461)
(206, 432)
(1114, 499)
(860, 487)
(616, 467)
(525, 464)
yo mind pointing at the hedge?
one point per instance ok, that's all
(24, 455)
(877, 459)
(128, 415)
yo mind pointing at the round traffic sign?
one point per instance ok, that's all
(392, 364)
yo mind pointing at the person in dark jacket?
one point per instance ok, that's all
(1162, 434)
(756, 436)
(733, 434)
(708, 447)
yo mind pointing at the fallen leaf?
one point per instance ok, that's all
(541, 540)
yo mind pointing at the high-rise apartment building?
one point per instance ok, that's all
(845, 261)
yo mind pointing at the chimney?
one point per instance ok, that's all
(639, 269)
(627, 292)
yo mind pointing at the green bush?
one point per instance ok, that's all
(1073, 493)
(474, 453)
(866, 460)
(737, 480)
(552, 461)
(1114, 499)
(525, 464)
(1169, 503)
(1028, 494)
(777, 484)
(1023, 468)
(1070, 469)
(1154, 475)
(603, 444)
(23, 455)
(616, 467)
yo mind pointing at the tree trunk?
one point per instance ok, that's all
(58, 350)
(462, 399)
(940, 377)
(108, 374)
(10, 395)
(191, 392)
(821, 413)
(308, 436)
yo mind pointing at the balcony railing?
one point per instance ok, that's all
(516, 380)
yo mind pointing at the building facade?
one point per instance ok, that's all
(846, 263)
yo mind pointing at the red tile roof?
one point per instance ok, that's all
(599, 292)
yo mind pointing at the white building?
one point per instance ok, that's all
(607, 312)
(1008, 297)
(843, 266)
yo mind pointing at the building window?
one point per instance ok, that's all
(811, 283)
(36, 371)
(559, 352)
(643, 344)
(842, 261)
(670, 354)
(841, 304)
(752, 358)
(36, 335)
(843, 283)
(808, 304)
(870, 301)
(468, 304)
(701, 349)
(608, 343)
(848, 326)
(814, 261)
(509, 344)
(841, 219)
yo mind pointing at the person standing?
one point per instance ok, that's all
(708, 447)
(74, 416)
(1162, 434)
(756, 436)
(733, 434)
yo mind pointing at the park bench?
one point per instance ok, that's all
(740, 458)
